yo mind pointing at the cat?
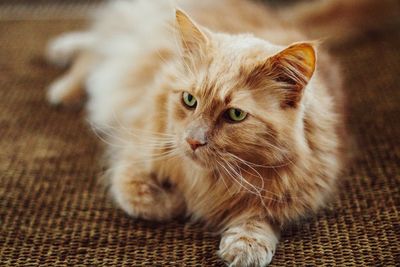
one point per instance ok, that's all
(227, 115)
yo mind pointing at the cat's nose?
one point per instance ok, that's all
(194, 143)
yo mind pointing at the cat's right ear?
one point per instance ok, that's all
(193, 38)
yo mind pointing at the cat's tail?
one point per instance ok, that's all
(342, 18)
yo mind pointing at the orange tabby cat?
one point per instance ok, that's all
(229, 117)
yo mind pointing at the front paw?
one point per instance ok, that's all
(241, 249)
(148, 201)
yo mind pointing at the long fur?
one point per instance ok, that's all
(279, 164)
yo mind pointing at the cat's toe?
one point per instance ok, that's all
(245, 251)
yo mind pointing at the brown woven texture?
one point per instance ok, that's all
(54, 212)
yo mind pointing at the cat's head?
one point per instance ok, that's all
(237, 99)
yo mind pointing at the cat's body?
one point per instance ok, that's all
(243, 178)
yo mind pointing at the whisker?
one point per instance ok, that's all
(223, 179)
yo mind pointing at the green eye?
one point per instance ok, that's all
(189, 100)
(236, 115)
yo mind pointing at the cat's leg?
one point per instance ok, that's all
(69, 88)
(62, 50)
(143, 195)
(249, 243)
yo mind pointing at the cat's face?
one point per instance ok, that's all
(234, 103)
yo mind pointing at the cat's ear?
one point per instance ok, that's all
(192, 37)
(293, 68)
(290, 70)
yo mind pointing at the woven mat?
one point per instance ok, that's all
(54, 212)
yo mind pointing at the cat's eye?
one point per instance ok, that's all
(189, 100)
(236, 115)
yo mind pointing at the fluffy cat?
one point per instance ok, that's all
(229, 117)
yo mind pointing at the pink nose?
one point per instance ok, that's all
(194, 144)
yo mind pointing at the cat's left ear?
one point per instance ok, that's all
(192, 37)
(292, 69)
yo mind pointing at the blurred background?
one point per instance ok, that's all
(53, 211)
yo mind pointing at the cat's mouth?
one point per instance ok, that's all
(193, 155)
(196, 156)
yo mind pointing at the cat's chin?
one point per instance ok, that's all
(196, 158)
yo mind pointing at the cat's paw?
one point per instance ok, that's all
(241, 249)
(145, 200)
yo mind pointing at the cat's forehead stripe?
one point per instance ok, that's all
(216, 85)
(215, 94)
